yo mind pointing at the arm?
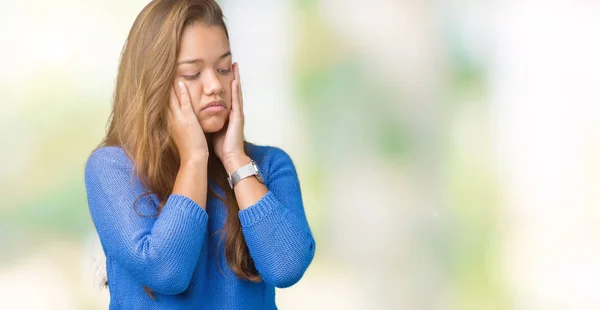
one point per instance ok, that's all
(160, 251)
(191, 180)
(274, 223)
(249, 190)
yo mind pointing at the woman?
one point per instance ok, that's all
(190, 216)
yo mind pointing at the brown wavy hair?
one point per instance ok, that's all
(138, 122)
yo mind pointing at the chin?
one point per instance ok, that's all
(212, 125)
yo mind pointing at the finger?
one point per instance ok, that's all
(236, 71)
(237, 112)
(239, 87)
(174, 104)
(235, 98)
(170, 120)
(174, 110)
(185, 96)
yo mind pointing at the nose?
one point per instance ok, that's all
(212, 84)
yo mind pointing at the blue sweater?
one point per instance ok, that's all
(174, 253)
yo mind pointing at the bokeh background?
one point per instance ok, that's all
(448, 151)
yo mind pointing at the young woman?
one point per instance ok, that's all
(190, 216)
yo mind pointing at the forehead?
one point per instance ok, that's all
(203, 42)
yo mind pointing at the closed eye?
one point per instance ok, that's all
(224, 71)
(191, 77)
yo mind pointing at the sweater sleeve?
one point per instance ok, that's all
(161, 251)
(276, 229)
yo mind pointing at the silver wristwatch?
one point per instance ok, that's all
(244, 172)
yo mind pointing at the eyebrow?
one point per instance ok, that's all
(192, 61)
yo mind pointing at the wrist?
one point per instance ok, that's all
(233, 163)
(193, 160)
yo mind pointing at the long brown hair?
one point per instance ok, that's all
(138, 121)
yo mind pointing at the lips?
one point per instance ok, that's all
(216, 103)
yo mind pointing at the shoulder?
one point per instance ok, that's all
(270, 159)
(107, 158)
(266, 153)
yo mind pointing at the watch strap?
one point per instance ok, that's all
(242, 173)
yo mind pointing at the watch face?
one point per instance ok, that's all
(258, 174)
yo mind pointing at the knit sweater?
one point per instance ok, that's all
(175, 253)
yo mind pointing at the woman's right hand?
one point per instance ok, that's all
(185, 128)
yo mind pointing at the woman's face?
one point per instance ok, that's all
(204, 65)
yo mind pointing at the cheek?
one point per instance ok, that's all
(193, 89)
(196, 95)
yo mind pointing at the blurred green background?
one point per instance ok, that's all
(448, 151)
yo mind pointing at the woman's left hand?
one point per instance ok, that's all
(228, 143)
